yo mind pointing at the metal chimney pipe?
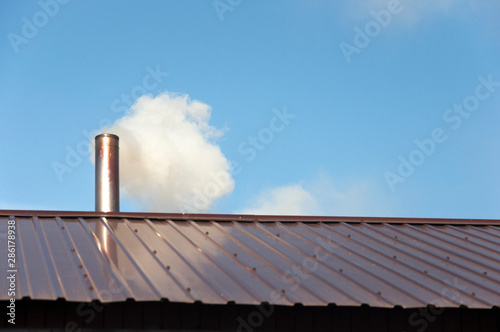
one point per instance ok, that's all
(107, 180)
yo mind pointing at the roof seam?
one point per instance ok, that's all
(49, 265)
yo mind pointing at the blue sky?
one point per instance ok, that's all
(375, 108)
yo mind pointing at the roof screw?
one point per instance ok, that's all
(448, 257)
(79, 266)
(349, 235)
(85, 275)
(341, 270)
(62, 227)
(394, 256)
(314, 256)
(282, 291)
(154, 252)
(466, 237)
(206, 233)
(396, 237)
(473, 294)
(485, 273)
(235, 255)
(425, 271)
(379, 293)
(254, 269)
(188, 289)
(135, 230)
(72, 249)
(168, 267)
(277, 234)
(91, 288)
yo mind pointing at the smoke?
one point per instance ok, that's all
(169, 161)
(285, 200)
(319, 196)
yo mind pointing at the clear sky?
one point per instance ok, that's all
(374, 108)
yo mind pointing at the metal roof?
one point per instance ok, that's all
(282, 260)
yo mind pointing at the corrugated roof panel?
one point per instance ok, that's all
(408, 264)
(426, 277)
(114, 244)
(214, 259)
(379, 270)
(251, 270)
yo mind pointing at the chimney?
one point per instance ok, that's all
(107, 180)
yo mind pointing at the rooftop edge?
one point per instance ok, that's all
(247, 218)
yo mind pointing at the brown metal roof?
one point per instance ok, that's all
(216, 259)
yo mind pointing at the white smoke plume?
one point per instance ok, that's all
(320, 196)
(169, 161)
(286, 200)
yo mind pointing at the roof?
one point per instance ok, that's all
(282, 260)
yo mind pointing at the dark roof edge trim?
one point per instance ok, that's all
(247, 218)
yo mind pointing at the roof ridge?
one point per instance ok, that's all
(249, 218)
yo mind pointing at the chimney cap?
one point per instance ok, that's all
(108, 135)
